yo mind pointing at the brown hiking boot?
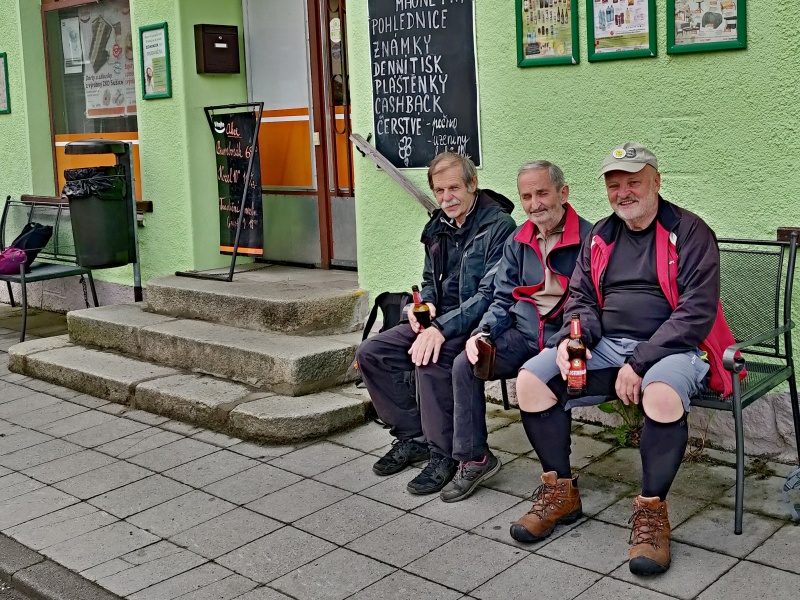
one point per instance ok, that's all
(555, 501)
(650, 537)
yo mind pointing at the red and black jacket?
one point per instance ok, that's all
(520, 274)
(687, 266)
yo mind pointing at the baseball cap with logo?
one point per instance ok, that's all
(630, 157)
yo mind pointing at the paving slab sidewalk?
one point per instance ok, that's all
(139, 507)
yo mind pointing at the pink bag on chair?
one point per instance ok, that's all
(10, 261)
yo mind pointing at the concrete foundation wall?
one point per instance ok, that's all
(768, 426)
(66, 294)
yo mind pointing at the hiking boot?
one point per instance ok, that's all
(436, 474)
(649, 537)
(468, 476)
(555, 501)
(401, 454)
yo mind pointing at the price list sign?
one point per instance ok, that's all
(424, 82)
(234, 145)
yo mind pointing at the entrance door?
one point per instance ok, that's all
(297, 66)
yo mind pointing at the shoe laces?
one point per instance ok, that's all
(465, 472)
(647, 525)
(544, 499)
(432, 469)
(399, 448)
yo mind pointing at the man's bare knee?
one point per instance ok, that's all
(662, 403)
(533, 394)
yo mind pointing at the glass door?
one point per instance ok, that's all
(296, 65)
(90, 73)
(338, 148)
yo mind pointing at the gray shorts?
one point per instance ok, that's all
(685, 372)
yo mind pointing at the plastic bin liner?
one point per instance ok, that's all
(102, 218)
(106, 183)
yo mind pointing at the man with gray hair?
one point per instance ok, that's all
(463, 244)
(530, 289)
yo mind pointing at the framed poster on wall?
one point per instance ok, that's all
(704, 26)
(5, 96)
(156, 76)
(621, 29)
(547, 32)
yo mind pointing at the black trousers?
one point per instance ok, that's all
(382, 358)
(470, 437)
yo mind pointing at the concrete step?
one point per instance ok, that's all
(267, 298)
(285, 364)
(233, 408)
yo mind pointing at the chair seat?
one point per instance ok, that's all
(42, 271)
(761, 377)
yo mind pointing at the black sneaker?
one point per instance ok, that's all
(469, 475)
(402, 454)
(436, 474)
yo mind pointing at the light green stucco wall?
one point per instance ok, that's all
(177, 153)
(724, 126)
(26, 157)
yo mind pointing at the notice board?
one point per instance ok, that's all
(424, 80)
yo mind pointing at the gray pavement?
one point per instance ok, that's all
(9, 593)
(154, 509)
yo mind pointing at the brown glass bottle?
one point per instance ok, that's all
(484, 368)
(576, 350)
(422, 311)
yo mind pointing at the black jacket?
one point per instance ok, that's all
(490, 226)
(520, 274)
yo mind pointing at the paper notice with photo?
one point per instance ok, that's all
(71, 45)
(108, 76)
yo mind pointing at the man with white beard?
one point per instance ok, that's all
(463, 245)
(646, 289)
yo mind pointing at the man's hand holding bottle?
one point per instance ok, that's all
(412, 319)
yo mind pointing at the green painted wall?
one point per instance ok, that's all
(177, 154)
(724, 126)
(26, 158)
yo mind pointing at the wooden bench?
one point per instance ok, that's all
(55, 260)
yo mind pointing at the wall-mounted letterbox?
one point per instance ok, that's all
(216, 48)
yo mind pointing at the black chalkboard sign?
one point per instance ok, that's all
(424, 84)
(234, 143)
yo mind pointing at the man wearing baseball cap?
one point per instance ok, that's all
(646, 287)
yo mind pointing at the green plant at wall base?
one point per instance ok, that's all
(627, 435)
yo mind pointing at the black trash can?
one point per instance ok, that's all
(102, 224)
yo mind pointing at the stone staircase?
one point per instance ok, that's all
(268, 356)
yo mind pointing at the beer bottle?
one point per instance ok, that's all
(576, 350)
(422, 311)
(484, 368)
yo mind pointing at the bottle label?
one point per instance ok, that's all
(575, 328)
(576, 376)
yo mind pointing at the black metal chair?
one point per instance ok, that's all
(59, 253)
(756, 291)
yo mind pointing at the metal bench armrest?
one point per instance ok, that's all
(734, 363)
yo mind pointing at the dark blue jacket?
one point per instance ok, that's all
(490, 226)
(520, 274)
